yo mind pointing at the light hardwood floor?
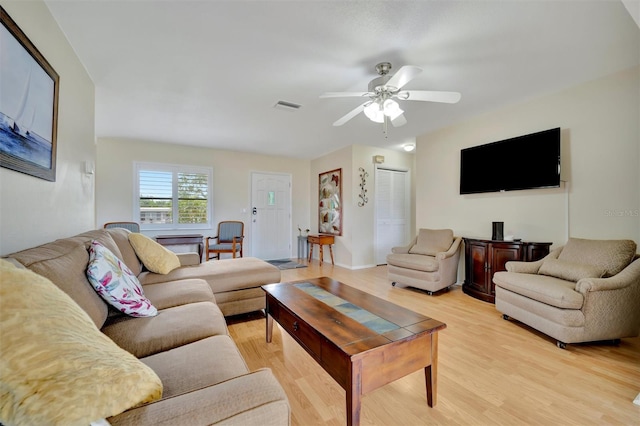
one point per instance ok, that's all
(490, 371)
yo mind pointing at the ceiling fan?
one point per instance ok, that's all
(381, 106)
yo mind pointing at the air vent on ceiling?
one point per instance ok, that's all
(287, 106)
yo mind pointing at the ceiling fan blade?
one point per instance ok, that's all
(348, 116)
(403, 76)
(343, 94)
(399, 121)
(430, 96)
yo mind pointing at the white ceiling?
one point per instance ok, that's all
(208, 73)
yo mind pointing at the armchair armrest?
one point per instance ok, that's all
(530, 267)
(625, 278)
(611, 304)
(404, 249)
(452, 250)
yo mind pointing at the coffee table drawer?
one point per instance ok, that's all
(300, 331)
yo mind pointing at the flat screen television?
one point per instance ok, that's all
(524, 162)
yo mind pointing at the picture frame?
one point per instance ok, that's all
(28, 105)
(330, 202)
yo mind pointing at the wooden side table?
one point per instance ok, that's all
(178, 240)
(321, 240)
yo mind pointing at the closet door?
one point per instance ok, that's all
(392, 211)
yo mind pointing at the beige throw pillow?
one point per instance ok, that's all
(432, 241)
(56, 367)
(569, 271)
(155, 257)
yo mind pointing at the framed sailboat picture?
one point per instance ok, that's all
(28, 105)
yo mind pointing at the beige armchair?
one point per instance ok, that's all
(429, 262)
(586, 291)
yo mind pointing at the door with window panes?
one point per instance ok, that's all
(270, 216)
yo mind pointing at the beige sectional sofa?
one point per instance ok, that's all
(587, 290)
(204, 379)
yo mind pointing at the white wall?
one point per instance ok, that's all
(600, 159)
(365, 218)
(231, 181)
(341, 159)
(355, 248)
(34, 211)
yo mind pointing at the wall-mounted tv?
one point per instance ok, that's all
(524, 162)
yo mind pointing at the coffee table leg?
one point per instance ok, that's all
(430, 372)
(354, 392)
(269, 326)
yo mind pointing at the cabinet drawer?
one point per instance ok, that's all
(299, 330)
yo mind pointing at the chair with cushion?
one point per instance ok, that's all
(586, 291)
(229, 240)
(429, 262)
(131, 226)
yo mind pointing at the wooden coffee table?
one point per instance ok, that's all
(363, 342)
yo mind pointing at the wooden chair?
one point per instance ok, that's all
(230, 239)
(131, 226)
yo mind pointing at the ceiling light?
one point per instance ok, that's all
(377, 110)
(392, 109)
(374, 112)
(409, 147)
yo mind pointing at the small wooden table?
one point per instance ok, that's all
(363, 342)
(178, 240)
(321, 240)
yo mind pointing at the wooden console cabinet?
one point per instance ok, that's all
(483, 258)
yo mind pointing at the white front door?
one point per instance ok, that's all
(392, 211)
(270, 215)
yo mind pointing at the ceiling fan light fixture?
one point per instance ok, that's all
(392, 109)
(381, 106)
(374, 112)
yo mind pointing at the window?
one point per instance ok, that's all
(172, 197)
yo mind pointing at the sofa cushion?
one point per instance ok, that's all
(432, 241)
(171, 328)
(116, 284)
(539, 315)
(154, 256)
(121, 238)
(550, 290)
(612, 256)
(55, 365)
(251, 399)
(222, 275)
(100, 235)
(176, 293)
(412, 261)
(569, 271)
(64, 262)
(197, 365)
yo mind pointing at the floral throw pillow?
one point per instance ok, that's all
(116, 284)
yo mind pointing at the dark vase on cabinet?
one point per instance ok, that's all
(483, 258)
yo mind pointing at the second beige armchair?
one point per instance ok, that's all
(429, 262)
